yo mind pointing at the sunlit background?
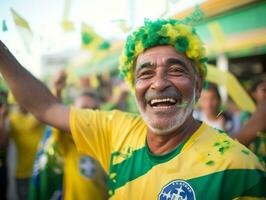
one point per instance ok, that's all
(47, 35)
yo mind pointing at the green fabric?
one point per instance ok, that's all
(259, 144)
(86, 38)
(47, 179)
(244, 116)
(138, 164)
(226, 184)
(230, 184)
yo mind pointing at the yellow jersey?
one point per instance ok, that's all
(83, 177)
(26, 132)
(208, 165)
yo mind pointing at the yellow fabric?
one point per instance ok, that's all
(77, 185)
(191, 155)
(101, 134)
(100, 146)
(26, 132)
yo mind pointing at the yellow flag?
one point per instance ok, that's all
(234, 88)
(23, 28)
(218, 36)
(90, 40)
(68, 26)
(66, 23)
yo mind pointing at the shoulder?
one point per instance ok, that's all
(88, 115)
(227, 152)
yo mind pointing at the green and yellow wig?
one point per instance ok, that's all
(162, 32)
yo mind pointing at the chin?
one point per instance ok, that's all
(162, 130)
(172, 125)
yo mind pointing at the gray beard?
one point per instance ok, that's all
(180, 118)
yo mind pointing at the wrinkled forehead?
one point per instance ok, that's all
(160, 55)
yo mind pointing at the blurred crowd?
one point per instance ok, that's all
(47, 163)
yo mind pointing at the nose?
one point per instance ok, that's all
(160, 82)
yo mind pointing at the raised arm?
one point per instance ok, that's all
(248, 132)
(31, 93)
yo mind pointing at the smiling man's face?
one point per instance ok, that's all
(166, 86)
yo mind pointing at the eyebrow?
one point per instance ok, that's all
(168, 62)
(176, 61)
(144, 65)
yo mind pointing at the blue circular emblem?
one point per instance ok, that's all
(177, 190)
(87, 167)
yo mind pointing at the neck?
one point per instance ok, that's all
(161, 144)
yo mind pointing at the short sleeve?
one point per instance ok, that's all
(91, 132)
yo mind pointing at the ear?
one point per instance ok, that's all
(199, 80)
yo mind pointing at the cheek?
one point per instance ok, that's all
(185, 85)
(262, 93)
(140, 89)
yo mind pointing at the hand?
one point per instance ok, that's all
(59, 80)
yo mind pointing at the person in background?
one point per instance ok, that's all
(163, 153)
(26, 131)
(68, 174)
(210, 107)
(253, 130)
(211, 111)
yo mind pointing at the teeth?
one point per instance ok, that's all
(163, 100)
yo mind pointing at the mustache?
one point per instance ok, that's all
(169, 92)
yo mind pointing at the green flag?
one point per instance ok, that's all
(90, 40)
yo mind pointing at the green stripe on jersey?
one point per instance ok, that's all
(226, 184)
(138, 164)
(230, 184)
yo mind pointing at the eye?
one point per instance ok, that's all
(176, 70)
(146, 73)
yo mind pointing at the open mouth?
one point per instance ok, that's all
(162, 103)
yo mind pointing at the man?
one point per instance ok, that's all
(164, 153)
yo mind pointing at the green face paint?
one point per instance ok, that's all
(221, 111)
(183, 105)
